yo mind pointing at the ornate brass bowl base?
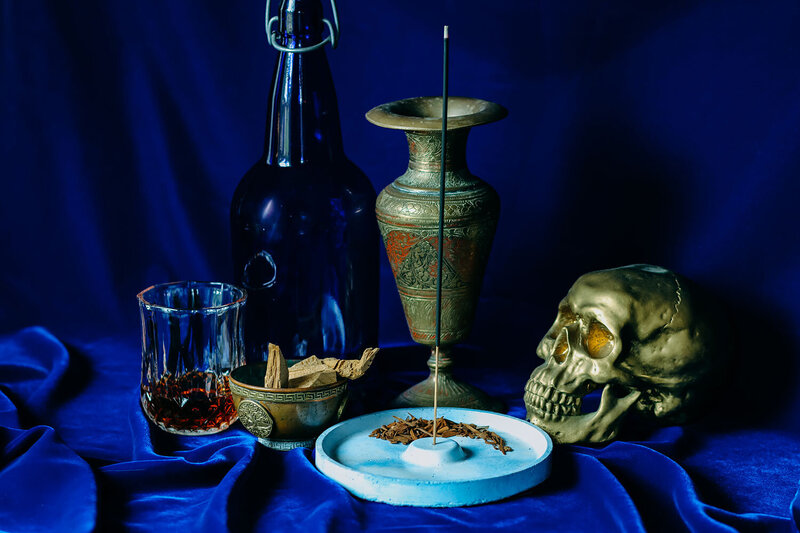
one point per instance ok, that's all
(452, 393)
(286, 445)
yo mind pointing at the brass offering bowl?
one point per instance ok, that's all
(283, 419)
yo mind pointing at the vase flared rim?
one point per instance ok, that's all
(424, 113)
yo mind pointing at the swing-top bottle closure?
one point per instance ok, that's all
(273, 36)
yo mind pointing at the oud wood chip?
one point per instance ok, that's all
(405, 431)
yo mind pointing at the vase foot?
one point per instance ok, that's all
(452, 393)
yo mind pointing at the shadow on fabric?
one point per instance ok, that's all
(763, 369)
(253, 491)
(76, 378)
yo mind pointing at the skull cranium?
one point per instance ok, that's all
(637, 332)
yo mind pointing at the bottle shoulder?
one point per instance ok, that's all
(326, 176)
(269, 192)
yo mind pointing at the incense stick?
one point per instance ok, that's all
(446, 42)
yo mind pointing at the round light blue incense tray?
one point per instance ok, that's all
(457, 471)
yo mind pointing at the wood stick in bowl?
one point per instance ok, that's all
(277, 374)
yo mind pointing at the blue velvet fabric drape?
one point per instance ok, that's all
(659, 132)
(78, 453)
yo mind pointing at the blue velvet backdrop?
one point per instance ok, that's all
(660, 132)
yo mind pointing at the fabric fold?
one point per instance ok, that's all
(44, 486)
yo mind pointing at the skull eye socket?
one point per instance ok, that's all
(565, 318)
(599, 341)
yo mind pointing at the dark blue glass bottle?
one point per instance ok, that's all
(305, 239)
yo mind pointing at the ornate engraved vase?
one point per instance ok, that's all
(408, 217)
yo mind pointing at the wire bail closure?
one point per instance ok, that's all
(333, 32)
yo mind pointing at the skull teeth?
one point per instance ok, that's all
(547, 403)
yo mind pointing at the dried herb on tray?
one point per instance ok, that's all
(405, 431)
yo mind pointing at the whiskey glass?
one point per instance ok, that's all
(191, 340)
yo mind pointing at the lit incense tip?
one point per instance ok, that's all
(445, 32)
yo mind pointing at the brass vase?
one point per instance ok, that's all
(408, 217)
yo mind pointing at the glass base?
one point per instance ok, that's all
(191, 432)
(186, 426)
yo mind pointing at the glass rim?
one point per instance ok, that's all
(221, 284)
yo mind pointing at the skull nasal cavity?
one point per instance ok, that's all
(561, 346)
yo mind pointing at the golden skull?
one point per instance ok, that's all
(639, 333)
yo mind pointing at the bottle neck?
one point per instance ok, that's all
(303, 117)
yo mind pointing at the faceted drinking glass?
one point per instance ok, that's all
(191, 340)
